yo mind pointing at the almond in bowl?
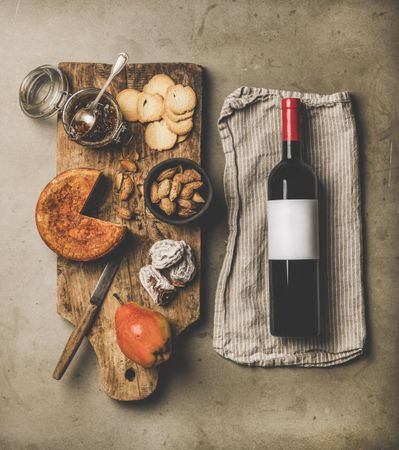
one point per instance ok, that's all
(177, 191)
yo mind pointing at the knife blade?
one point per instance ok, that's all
(88, 317)
(105, 280)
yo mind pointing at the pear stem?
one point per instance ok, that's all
(118, 298)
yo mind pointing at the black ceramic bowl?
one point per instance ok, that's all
(206, 190)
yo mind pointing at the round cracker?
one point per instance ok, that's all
(182, 127)
(180, 99)
(149, 107)
(127, 101)
(159, 84)
(159, 137)
(177, 117)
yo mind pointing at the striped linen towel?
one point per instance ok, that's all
(250, 130)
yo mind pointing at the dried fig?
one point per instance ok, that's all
(124, 213)
(128, 165)
(159, 287)
(126, 189)
(197, 198)
(164, 188)
(167, 206)
(167, 173)
(166, 253)
(175, 190)
(154, 193)
(184, 271)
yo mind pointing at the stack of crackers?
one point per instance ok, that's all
(166, 107)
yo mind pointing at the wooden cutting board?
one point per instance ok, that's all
(120, 378)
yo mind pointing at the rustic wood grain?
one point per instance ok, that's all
(76, 281)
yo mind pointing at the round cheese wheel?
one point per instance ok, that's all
(64, 228)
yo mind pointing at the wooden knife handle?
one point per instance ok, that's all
(75, 339)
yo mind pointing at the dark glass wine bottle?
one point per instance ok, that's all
(293, 236)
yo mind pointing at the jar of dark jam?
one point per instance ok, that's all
(45, 91)
(109, 126)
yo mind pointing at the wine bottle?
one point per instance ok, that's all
(293, 236)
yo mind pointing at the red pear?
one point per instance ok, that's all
(143, 335)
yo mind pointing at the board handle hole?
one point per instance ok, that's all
(130, 374)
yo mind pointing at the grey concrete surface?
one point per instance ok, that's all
(203, 401)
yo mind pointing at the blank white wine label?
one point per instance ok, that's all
(293, 229)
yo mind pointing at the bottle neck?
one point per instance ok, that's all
(291, 145)
(291, 151)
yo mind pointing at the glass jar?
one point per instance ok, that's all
(45, 91)
(109, 128)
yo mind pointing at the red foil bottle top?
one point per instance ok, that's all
(290, 108)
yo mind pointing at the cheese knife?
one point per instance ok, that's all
(88, 316)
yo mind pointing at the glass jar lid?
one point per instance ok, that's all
(43, 92)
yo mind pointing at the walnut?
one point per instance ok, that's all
(158, 286)
(166, 253)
